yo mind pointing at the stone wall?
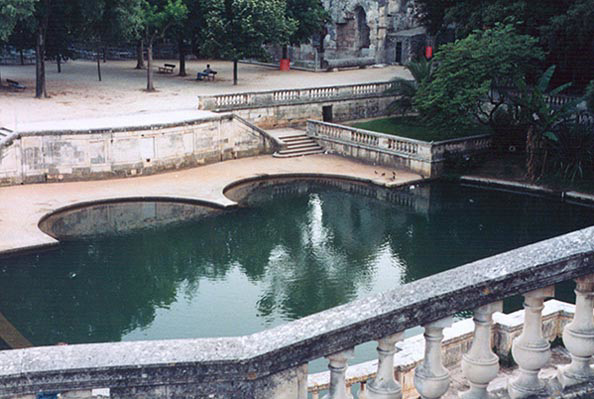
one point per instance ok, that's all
(359, 29)
(46, 156)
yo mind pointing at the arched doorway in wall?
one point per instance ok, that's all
(353, 34)
(363, 30)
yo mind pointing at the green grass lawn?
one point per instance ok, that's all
(414, 128)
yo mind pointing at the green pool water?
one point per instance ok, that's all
(291, 250)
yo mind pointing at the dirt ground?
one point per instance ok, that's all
(76, 93)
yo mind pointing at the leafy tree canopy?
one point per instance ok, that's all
(474, 69)
(237, 29)
(12, 11)
(310, 16)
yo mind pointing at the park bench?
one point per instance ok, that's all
(204, 76)
(15, 85)
(167, 68)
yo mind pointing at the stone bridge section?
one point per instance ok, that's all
(123, 146)
(271, 364)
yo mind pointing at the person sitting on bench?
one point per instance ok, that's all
(206, 73)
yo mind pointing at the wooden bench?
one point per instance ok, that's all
(203, 76)
(166, 68)
(15, 85)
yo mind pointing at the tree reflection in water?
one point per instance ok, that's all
(290, 251)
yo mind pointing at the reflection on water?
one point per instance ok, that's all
(291, 250)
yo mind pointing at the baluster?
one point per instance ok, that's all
(480, 365)
(337, 363)
(578, 336)
(384, 386)
(431, 377)
(531, 350)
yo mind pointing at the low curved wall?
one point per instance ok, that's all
(84, 154)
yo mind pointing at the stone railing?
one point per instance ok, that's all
(228, 102)
(272, 363)
(419, 156)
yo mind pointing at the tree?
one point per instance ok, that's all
(310, 16)
(11, 12)
(542, 118)
(473, 76)
(237, 29)
(589, 97)
(406, 89)
(186, 30)
(157, 16)
(569, 38)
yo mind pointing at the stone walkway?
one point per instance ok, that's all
(22, 207)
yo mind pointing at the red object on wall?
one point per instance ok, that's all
(428, 52)
(285, 64)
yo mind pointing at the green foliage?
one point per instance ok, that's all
(471, 76)
(406, 89)
(11, 12)
(536, 109)
(569, 38)
(589, 97)
(237, 29)
(157, 16)
(310, 16)
(573, 151)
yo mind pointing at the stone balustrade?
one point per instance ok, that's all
(272, 363)
(235, 101)
(418, 156)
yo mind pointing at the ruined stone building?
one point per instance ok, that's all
(363, 32)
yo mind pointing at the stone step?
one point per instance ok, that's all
(311, 144)
(300, 141)
(294, 137)
(293, 154)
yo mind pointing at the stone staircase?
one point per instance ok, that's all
(298, 145)
(4, 132)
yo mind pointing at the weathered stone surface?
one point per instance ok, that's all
(128, 150)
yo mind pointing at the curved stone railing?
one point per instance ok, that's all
(418, 156)
(271, 364)
(228, 102)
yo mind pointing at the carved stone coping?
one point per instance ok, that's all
(238, 363)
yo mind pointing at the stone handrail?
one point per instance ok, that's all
(402, 146)
(257, 366)
(226, 102)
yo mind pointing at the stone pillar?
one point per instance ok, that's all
(384, 386)
(531, 350)
(431, 377)
(337, 363)
(480, 365)
(578, 336)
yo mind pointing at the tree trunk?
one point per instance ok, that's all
(285, 52)
(99, 64)
(104, 55)
(149, 69)
(59, 63)
(182, 57)
(22, 57)
(533, 154)
(40, 89)
(139, 54)
(235, 72)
